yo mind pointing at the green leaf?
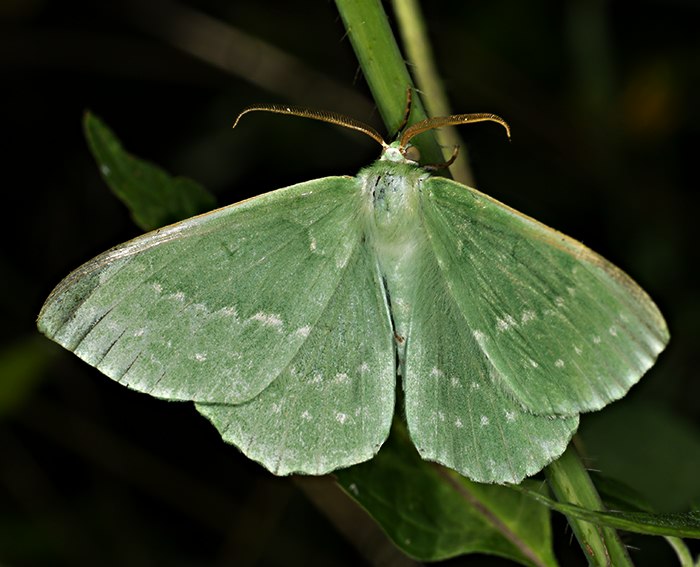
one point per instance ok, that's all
(682, 524)
(153, 197)
(433, 514)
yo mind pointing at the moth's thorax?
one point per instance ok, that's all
(392, 191)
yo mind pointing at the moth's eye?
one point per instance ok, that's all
(412, 153)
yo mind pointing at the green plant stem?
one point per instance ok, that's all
(420, 54)
(570, 482)
(384, 69)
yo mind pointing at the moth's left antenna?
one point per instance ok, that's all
(322, 115)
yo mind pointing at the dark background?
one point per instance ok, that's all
(602, 98)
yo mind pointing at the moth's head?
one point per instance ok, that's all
(397, 153)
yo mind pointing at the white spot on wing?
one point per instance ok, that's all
(454, 382)
(303, 331)
(578, 350)
(157, 287)
(200, 357)
(105, 170)
(267, 319)
(312, 244)
(459, 423)
(596, 340)
(613, 331)
(527, 316)
(435, 372)
(510, 415)
(505, 323)
(475, 385)
(484, 420)
(276, 408)
(559, 363)
(341, 377)
(306, 415)
(364, 367)
(533, 363)
(559, 301)
(341, 418)
(139, 332)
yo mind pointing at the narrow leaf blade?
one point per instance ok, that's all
(683, 524)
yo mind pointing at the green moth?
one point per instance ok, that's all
(287, 319)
